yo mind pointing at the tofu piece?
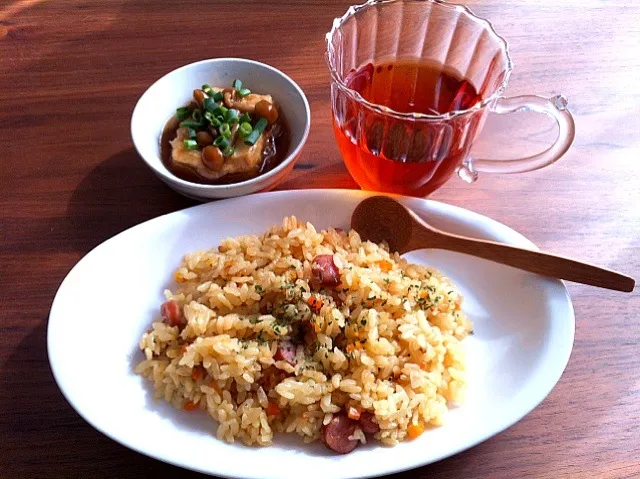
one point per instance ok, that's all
(246, 104)
(245, 160)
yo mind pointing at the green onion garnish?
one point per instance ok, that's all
(197, 115)
(232, 116)
(217, 96)
(183, 113)
(220, 111)
(209, 104)
(211, 119)
(257, 131)
(245, 118)
(207, 89)
(225, 130)
(191, 124)
(237, 84)
(190, 144)
(243, 92)
(222, 143)
(191, 132)
(245, 129)
(228, 151)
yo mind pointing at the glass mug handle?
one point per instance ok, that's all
(555, 107)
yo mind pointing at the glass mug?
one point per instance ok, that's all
(414, 153)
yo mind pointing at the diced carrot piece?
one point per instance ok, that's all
(190, 406)
(315, 304)
(353, 413)
(414, 430)
(384, 265)
(273, 409)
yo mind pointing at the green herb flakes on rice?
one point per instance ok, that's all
(316, 333)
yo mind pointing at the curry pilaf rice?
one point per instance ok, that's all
(312, 332)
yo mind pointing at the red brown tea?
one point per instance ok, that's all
(406, 156)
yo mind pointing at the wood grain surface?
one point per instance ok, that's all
(70, 74)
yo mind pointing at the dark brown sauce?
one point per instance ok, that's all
(275, 150)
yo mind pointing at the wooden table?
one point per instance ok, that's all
(71, 72)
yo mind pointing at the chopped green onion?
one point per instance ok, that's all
(217, 96)
(257, 131)
(197, 115)
(183, 113)
(220, 111)
(192, 133)
(191, 124)
(237, 84)
(243, 92)
(252, 138)
(225, 130)
(222, 143)
(190, 144)
(207, 89)
(245, 129)
(232, 116)
(210, 104)
(212, 119)
(261, 125)
(228, 152)
(245, 118)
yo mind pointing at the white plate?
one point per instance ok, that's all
(524, 328)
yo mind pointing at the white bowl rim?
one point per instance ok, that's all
(165, 173)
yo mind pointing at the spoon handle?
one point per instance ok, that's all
(537, 262)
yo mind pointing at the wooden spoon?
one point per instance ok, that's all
(380, 218)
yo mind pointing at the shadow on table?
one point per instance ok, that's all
(310, 175)
(122, 192)
(119, 193)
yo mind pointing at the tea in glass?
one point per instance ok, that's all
(411, 85)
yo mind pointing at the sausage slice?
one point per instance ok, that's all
(286, 351)
(367, 423)
(171, 313)
(336, 434)
(325, 270)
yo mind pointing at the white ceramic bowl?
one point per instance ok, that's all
(175, 89)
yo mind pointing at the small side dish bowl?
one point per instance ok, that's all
(174, 90)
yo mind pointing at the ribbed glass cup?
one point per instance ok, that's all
(415, 153)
